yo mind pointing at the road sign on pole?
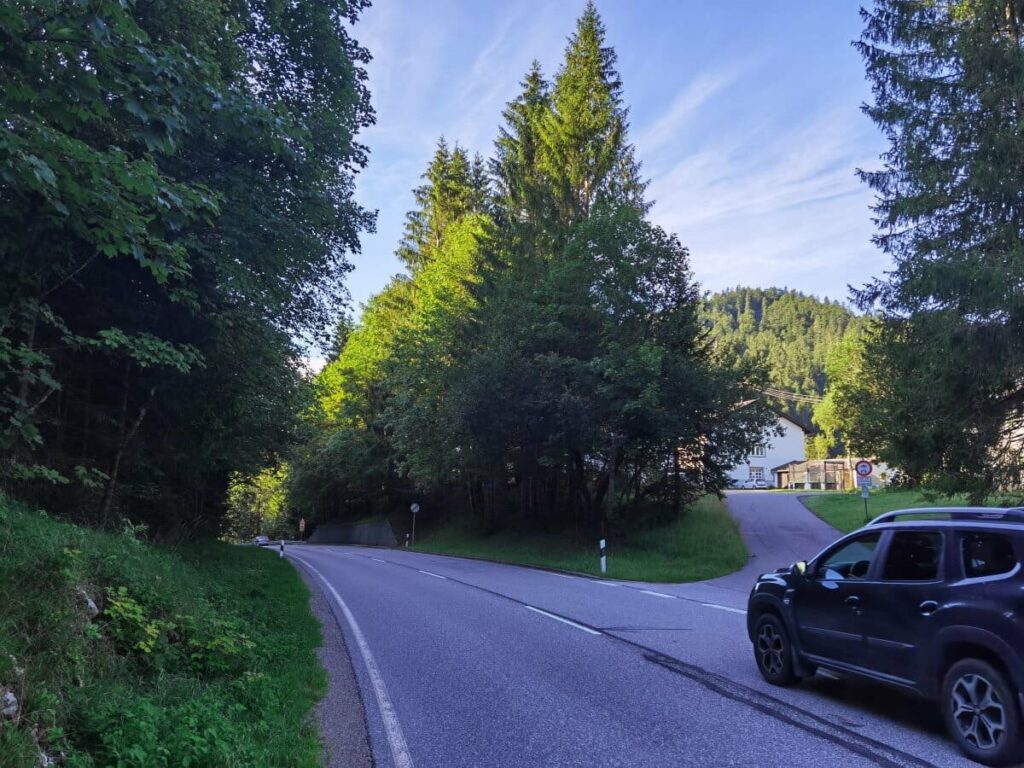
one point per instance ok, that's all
(863, 468)
(302, 527)
(414, 508)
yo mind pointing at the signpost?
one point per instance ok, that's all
(302, 528)
(414, 508)
(864, 469)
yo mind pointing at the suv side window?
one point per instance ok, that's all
(850, 561)
(913, 556)
(986, 554)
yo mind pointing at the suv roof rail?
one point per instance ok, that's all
(997, 514)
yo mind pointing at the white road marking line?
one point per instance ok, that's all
(378, 560)
(392, 728)
(658, 594)
(607, 583)
(724, 608)
(588, 630)
(562, 575)
(435, 575)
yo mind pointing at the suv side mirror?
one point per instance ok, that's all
(799, 568)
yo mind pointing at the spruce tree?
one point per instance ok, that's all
(455, 186)
(946, 78)
(584, 153)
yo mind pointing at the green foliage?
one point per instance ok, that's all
(950, 351)
(845, 511)
(200, 656)
(704, 544)
(786, 333)
(256, 505)
(186, 170)
(543, 359)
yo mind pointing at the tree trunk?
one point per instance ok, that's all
(127, 432)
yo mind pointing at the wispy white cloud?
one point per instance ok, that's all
(685, 105)
(760, 207)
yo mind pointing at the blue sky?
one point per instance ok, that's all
(745, 115)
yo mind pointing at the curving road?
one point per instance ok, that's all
(469, 663)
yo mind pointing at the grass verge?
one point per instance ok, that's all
(704, 544)
(845, 511)
(200, 656)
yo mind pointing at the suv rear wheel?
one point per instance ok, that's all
(773, 652)
(981, 713)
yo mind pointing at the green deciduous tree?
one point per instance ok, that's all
(175, 208)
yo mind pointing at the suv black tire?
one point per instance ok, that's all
(981, 712)
(773, 652)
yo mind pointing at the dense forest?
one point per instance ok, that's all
(786, 333)
(175, 212)
(543, 360)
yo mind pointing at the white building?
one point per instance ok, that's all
(776, 449)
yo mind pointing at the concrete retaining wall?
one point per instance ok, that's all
(375, 534)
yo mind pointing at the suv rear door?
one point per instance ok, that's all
(897, 608)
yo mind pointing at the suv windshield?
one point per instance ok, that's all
(850, 561)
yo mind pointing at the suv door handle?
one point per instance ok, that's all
(928, 607)
(853, 601)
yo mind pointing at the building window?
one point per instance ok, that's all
(757, 473)
(758, 451)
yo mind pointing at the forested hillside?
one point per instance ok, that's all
(175, 213)
(787, 333)
(542, 362)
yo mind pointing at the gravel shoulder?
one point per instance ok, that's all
(340, 714)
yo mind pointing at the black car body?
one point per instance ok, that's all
(927, 600)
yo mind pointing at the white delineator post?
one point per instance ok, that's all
(280, 552)
(604, 560)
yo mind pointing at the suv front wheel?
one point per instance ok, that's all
(981, 713)
(773, 652)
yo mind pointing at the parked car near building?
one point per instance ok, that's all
(933, 606)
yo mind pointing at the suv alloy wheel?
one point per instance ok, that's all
(773, 652)
(981, 713)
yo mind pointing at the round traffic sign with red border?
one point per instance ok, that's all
(863, 468)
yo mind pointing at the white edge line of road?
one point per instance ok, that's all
(435, 575)
(396, 740)
(657, 594)
(580, 627)
(724, 608)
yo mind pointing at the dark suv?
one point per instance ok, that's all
(927, 600)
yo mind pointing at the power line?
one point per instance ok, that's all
(795, 397)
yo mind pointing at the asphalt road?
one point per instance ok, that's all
(468, 663)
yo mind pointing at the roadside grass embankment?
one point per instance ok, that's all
(845, 511)
(121, 653)
(704, 544)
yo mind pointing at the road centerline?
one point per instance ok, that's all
(724, 608)
(657, 594)
(580, 627)
(435, 575)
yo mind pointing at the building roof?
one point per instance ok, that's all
(796, 424)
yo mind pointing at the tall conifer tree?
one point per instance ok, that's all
(946, 78)
(585, 154)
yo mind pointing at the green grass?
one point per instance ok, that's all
(201, 656)
(704, 544)
(845, 511)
